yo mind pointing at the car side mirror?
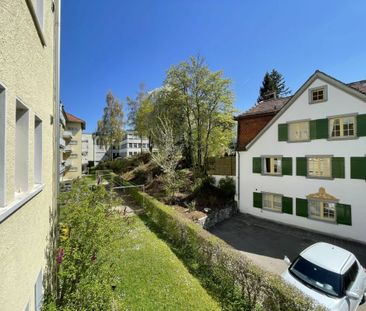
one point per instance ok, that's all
(352, 295)
(287, 260)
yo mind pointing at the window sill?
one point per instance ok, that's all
(332, 222)
(269, 174)
(19, 201)
(271, 210)
(299, 141)
(320, 177)
(343, 138)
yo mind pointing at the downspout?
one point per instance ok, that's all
(238, 179)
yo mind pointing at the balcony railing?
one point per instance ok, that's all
(67, 135)
(62, 143)
(62, 168)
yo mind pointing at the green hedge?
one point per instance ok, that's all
(228, 275)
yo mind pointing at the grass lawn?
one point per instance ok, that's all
(151, 277)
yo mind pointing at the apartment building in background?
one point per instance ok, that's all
(87, 151)
(72, 152)
(29, 147)
(301, 160)
(132, 144)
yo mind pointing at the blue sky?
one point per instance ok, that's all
(115, 45)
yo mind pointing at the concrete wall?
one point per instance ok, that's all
(27, 72)
(348, 191)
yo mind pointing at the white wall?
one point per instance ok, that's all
(348, 191)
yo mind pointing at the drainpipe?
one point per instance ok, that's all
(238, 178)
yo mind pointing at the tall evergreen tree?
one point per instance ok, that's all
(273, 86)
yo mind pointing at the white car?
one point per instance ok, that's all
(330, 275)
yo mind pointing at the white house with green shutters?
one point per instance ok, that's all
(307, 166)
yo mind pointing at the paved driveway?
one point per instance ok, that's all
(266, 242)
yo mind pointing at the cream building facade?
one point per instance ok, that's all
(72, 152)
(29, 113)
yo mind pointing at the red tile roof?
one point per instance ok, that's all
(359, 86)
(266, 106)
(72, 118)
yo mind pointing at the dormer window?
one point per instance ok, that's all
(318, 95)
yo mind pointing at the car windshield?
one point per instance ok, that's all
(316, 277)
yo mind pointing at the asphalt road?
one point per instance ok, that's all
(266, 243)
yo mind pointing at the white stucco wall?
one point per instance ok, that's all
(348, 191)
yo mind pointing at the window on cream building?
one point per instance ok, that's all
(2, 146)
(37, 150)
(21, 147)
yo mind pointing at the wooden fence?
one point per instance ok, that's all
(225, 166)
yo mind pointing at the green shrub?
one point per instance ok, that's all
(227, 186)
(88, 225)
(236, 282)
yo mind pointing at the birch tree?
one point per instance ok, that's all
(110, 127)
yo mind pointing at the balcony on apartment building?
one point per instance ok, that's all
(67, 149)
(67, 134)
(67, 164)
(62, 143)
(62, 168)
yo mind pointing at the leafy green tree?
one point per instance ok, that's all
(202, 102)
(144, 120)
(273, 85)
(134, 105)
(110, 127)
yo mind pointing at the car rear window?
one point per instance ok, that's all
(316, 277)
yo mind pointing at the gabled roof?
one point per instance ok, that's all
(357, 89)
(71, 118)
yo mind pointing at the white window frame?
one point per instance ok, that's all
(38, 291)
(341, 119)
(2, 145)
(38, 150)
(323, 88)
(21, 147)
(271, 208)
(272, 160)
(319, 157)
(291, 127)
(322, 208)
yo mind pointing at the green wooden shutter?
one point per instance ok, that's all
(361, 125)
(286, 166)
(301, 167)
(358, 167)
(319, 129)
(344, 215)
(257, 165)
(257, 199)
(337, 167)
(301, 207)
(282, 132)
(312, 127)
(287, 205)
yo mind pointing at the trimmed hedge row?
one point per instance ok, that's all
(231, 277)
